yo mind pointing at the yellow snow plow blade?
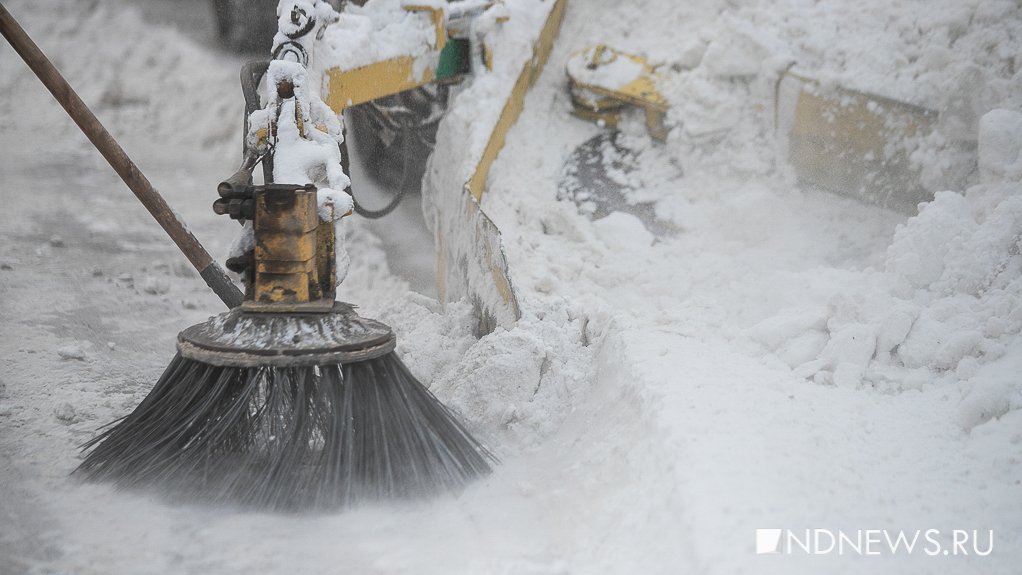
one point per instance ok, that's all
(853, 143)
(515, 102)
(471, 262)
(844, 141)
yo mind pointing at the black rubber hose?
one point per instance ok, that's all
(402, 189)
(251, 74)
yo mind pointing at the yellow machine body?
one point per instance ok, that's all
(294, 267)
(365, 83)
(345, 87)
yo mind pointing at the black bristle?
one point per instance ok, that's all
(289, 437)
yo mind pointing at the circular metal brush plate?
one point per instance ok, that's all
(249, 339)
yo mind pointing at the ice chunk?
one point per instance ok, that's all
(854, 344)
(621, 230)
(995, 390)
(802, 348)
(153, 285)
(895, 328)
(959, 345)
(774, 332)
(65, 412)
(73, 352)
(848, 375)
(918, 253)
(738, 50)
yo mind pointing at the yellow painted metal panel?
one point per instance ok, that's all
(857, 144)
(360, 85)
(476, 185)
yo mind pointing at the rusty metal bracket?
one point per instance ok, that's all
(294, 270)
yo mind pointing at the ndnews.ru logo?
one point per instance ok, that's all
(932, 542)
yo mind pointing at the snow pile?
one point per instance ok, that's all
(512, 386)
(149, 85)
(947, 308)
(956, 58)
(792, 350)
(1000, 146)
(946, 302)
(516, 387)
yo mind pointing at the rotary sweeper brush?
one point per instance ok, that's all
(289, 400)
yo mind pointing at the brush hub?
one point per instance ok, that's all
(241, 338)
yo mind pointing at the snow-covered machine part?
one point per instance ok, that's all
(387, 47)
(603, 80)
(470, 258)
(297, 136)
(290, 400)
(845, 141)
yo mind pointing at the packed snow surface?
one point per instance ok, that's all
(788, 359)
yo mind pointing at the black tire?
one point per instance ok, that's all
(395, 135)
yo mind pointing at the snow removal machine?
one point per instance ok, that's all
(291, 400)
(836, 139)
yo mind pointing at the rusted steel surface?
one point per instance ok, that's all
(286, 223)
(326, 260)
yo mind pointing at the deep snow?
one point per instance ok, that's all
(788, 359)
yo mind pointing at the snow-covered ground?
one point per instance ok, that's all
(790, 359)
